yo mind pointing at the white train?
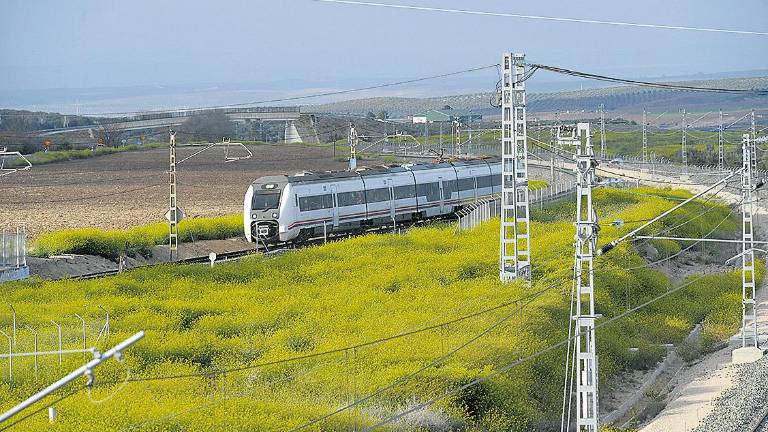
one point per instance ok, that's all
(304, 206)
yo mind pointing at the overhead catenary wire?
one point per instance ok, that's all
(429, 365)
(668, 86)
(530, 357)
(544, 18)
(333, 350)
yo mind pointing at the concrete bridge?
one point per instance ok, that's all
(175, 118)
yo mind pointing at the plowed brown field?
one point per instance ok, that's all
(128, 189)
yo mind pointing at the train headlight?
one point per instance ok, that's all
(274, 215)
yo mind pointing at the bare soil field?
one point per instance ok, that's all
(128, 189)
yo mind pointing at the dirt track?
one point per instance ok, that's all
(128, 189)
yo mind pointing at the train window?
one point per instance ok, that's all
(467, 184)
(265, 201)
(429, 190)
(350, 198)
(405, 192)
(316, 202)
(484, 182)
(377, 195)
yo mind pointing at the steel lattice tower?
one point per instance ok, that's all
(173, 219)
(748, 305)
(720, 149)
(584, 318)
(515, 242)
(645, 136)
(603, 153)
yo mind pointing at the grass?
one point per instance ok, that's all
(238, 315)
(132, 241)
(42, 157)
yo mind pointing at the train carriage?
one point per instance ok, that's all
(308, 205)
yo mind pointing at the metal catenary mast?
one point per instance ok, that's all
(684, 151)
(515, 247)
(603, 154)
(585, 356)
(352, 147)
(645, 136)
(720, 150)
(748, 305)
(173, 219)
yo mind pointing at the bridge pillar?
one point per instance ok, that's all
(291, 133)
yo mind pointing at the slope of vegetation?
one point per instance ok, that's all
(253, 314)
(132, 241)
(43, 157)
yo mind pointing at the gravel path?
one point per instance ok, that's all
(739, 407)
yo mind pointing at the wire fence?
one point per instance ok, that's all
(480, 211)
(13, 248)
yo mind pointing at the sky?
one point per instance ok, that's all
(308, 44)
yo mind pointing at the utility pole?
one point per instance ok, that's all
(173, 220)
(603, 153)
(587, 228)
(720, 149)
(645, 136)
(684, 153)
(352, 147)
(515, 247)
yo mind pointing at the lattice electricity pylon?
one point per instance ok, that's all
(748, 303)
(515, 241)
(584, 317)
(645, 136)
(173, 210)
(720, 149)
(603, 151)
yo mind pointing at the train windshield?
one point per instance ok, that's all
(266, 201)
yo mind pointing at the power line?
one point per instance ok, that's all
(669, 86)
(533, 356)
(336, 350)
(302, 97)
(544, 18)
(423, 368)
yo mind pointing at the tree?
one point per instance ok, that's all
(371, 115)
(210, 126)
(383, 115)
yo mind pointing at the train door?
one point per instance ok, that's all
(391, 199)
(474, 184)
(335, 208)
(442, 195)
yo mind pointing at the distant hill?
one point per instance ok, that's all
(630, 99)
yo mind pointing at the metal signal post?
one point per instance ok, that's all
(515, 247)
(173, 220)
(587, 228)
